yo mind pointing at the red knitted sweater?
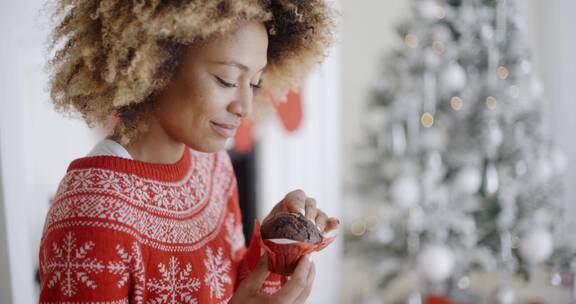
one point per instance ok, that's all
(125, 231)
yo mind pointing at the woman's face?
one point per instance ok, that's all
(213, 88)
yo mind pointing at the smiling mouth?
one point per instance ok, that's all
(225, 130)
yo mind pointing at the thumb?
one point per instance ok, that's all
(259, 274)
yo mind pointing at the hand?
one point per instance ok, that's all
(295, 291)
(297, 201)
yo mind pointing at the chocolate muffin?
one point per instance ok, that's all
(294, 226)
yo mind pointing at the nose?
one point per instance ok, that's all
(242, 104)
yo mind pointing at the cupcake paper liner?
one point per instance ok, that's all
(283, 256)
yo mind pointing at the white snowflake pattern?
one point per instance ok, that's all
(196, 181)
(161, 197)
(189, 197)
(81, 179)
(108, 180)
(135, 188)
(176, 284)
(130, 263)
(70, 265)
(198, 186)
(216, 272)
(234, 235)
(177, 201)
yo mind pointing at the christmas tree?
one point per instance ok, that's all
(458, 171)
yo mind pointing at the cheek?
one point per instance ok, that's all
(197, 102)
(197, 110)
(209, 102)
(190, 102)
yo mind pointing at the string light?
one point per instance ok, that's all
(490, 102)
(438, 47)
(503, 72)
(427, 120)
(456, 103)
(411, 41)
(358, 228)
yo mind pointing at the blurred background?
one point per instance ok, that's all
(440, 131)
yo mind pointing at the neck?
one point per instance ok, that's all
(154, 145)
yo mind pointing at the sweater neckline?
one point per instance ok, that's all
(161, 172)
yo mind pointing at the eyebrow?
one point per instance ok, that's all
(236, 64)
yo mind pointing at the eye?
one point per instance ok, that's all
(257, 86)
(225, 83)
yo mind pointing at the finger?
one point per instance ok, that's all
(321, 219)
(331, 224)
(279, 207)
(311, 210)
(295, 201)
(297, 283)
(309, 282)
(258, 275)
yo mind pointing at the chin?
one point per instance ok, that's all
(211, 146)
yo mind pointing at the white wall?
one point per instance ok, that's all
(5, 290)
(553, 32)
(36, 145)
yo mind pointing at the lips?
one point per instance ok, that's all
(225, 129)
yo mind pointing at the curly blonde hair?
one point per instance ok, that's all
(114, 55)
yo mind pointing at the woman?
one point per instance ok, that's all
(151, 215)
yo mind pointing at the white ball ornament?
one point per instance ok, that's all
(486, 31)
(405, 191)
(454, 77)
(536, 245)
(436, 263)
(544, 169)
(468, 180)
(504, 295)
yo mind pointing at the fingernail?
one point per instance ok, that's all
(302, 211)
